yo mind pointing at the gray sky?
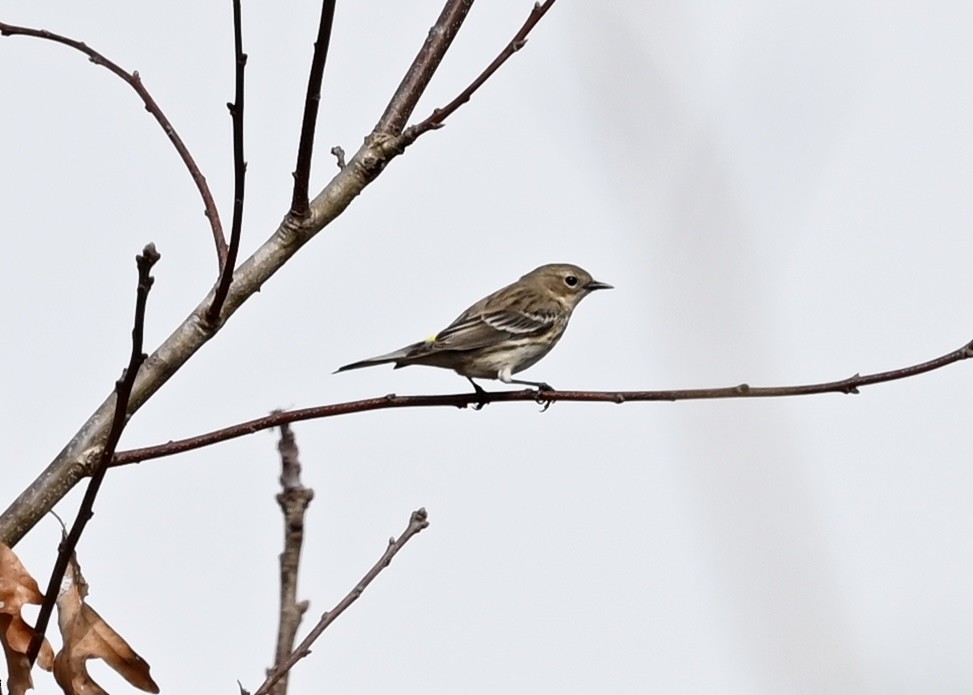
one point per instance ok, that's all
(779, 193)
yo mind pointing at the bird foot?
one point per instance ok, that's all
(480, 395)
(545, 403)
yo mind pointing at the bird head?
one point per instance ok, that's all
(567, 283)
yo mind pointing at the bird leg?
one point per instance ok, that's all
(481, 394)
(539, 385)
(505, 376)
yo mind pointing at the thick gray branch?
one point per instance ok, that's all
(75, 460)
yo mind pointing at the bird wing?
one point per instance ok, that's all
(470, 332)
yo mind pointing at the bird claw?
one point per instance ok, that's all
(545, 403)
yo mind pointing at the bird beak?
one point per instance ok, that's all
(595, 285)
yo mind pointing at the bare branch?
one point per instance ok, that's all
(293, 499)
(463, 400)
(135, 82)
(312, 100)
(435, 120)
(417, 522)
(239, 169)
(416, 79)
(123, 389)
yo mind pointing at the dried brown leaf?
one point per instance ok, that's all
(87, 636)
(17, 588)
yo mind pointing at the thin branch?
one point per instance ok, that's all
(463, 400)
(293, 499)
(123, 389)
(435, 120)
(417, 522)
(416, 79)
(135, 82)
(312, 100)
(239, 169)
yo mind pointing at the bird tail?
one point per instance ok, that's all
(387, 358)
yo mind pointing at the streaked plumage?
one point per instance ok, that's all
(504, 333)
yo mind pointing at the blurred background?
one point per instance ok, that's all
(780, 194)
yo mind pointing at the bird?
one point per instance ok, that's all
(503, 333)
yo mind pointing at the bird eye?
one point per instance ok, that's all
(571, 281)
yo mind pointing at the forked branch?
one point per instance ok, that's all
(417, 522)
(363, 167)
(438, 116)
(417, 77)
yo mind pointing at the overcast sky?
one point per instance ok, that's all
(780, 193)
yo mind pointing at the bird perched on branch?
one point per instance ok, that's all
(504, 333)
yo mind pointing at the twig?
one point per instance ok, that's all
(135, 82)
(239, 170)
(293, 499)
(312, 100)
(463, 400)
(123, 389)
(417, 522)
(435, 120)
(417, 77)
(339, 155)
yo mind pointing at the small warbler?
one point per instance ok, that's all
(504, 333)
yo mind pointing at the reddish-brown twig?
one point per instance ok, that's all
(463, 400)
(417, 522)
(239, 170)
(135, 82)
(312, 100)
(123, 389)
